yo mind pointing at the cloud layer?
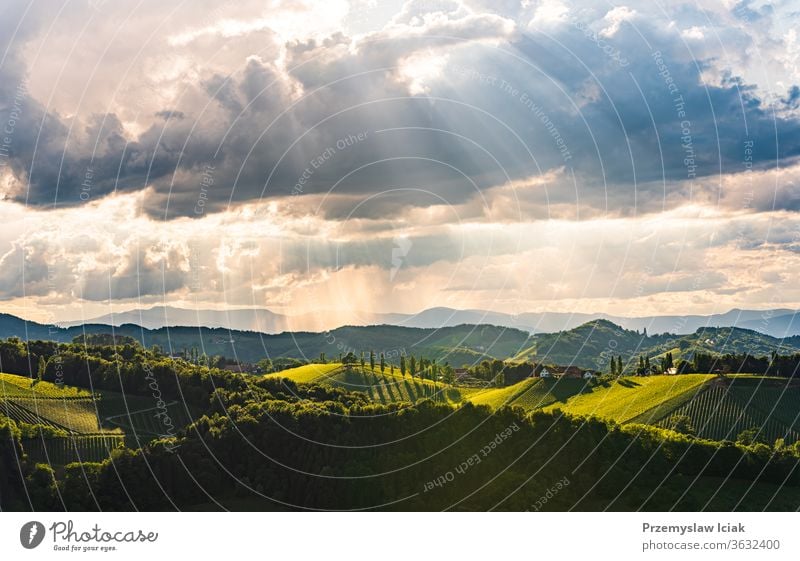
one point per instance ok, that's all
(452, 150)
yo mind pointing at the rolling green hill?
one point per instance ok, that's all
(624, 400)
(308, 373)
(498, 397)
(719, 408)
(585, 345)
(588, 346)
(591, 344)
(463, 344)
(381, 387)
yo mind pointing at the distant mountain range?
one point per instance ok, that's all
(776, 323)
(588, 345)
(246, 319)
(463, 344)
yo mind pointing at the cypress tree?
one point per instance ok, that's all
(42, 368)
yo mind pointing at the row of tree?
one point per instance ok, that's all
(423, 368)
(643, 366)
(502, 373)
(786, 366)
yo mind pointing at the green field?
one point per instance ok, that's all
(549, 391)
(74, 415)
(73, 448)
(386, 388)
(62, 407)
(381, 387)
(498, 397)
(308, 373)
(725, 408)
(629, 398)
(12, 385)
(718, 409)
(95, 423)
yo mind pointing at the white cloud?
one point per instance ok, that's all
(420, 69)
(695, 33)
(549, 13)
(615, 18)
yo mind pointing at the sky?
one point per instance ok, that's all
(634, 158)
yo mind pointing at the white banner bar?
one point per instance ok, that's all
(400, 536)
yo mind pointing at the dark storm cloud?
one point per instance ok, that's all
(792, 99)
(170, 114)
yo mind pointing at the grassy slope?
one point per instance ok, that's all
(628, 398)
(527, 353)
(308, 373)
(386, 387)
(382, 387)
(498, 397)
(79, 411)
(621, 401)
(728, 407)
(12, 385)
(75, 415)
(549, 391)
(34, 402)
